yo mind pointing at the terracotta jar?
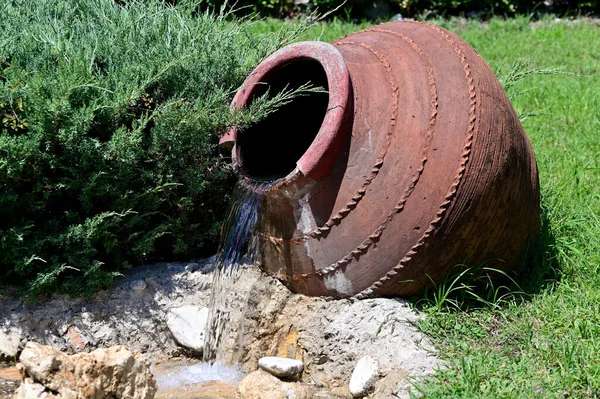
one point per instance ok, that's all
(412, 162)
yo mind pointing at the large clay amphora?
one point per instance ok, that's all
(412, 161)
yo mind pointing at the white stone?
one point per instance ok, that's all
(187, 325)
(32, 390)
(364, 376)
(9, 342)
(281, 366)
(138, 285)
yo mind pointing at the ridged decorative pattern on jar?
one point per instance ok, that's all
(412, 161)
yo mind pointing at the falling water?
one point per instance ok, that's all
(230, 289)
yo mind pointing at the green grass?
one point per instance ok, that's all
(544, 339)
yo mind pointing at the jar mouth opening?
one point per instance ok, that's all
(271, 148)
(304, 135)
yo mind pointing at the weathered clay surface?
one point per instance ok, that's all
(104, 373)
(436, 169)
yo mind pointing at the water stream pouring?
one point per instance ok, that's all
(413, 162)
(229, 292)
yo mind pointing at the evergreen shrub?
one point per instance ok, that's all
(380, 10)
(110, 114)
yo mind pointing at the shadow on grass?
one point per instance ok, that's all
(541, 267)
(467, 287)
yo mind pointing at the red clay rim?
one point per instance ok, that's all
(320, 156)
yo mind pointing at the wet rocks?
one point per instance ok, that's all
(262, 385)
(278, 378)
(330, 336)
(187, 324)
(364, 376)
(138, 285)
(205, 390)
(104, 373)
(75, 338)
(281, 367)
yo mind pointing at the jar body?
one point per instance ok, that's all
(431, 168)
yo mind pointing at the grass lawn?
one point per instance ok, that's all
(546, 341)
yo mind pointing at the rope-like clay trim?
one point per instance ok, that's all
(399, 207)
(360, 193)
(461, 170)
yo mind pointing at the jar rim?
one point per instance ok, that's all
(318, 159)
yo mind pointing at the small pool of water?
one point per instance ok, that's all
(181, 372)
(186, 380)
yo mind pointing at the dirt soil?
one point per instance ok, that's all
(117, 316)
(328, 335)
(10, 378)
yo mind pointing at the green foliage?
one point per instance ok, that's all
(383, 9)
(490, 8)
(466, 288)
(288, 8)
(109, 121)
(479, 8)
